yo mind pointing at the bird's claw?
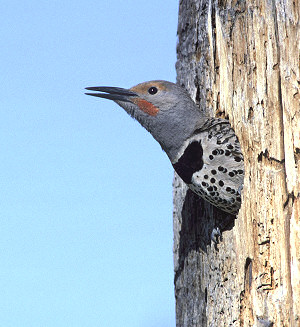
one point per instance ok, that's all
(240, 189)
(216, 235)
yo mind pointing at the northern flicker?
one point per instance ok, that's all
(204, 151)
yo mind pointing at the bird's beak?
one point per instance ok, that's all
(112, 93)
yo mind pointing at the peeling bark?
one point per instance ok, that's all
(241, 60)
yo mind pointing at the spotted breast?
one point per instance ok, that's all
(212, 165)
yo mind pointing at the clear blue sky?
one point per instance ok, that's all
(86, 193)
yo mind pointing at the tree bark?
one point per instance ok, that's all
(241, 60)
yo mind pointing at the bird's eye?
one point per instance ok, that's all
(152, 90)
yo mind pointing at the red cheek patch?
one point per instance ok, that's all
(146, 106)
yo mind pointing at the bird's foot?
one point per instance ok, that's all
(216, 235)
(240, 189)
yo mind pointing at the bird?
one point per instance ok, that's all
(204, 151)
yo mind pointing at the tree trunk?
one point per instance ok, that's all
(240, 60)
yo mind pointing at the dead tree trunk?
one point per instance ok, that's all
(240, 60)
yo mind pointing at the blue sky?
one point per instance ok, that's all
(86, 193)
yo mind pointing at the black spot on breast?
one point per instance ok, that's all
(190, 162)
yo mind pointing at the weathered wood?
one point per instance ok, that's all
(241, 60)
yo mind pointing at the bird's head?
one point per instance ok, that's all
(163, 108)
